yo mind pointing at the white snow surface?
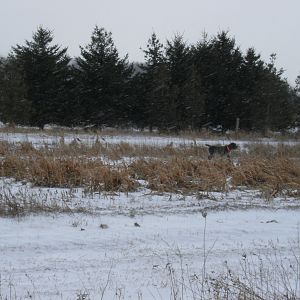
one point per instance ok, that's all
(61, 256)
(124, 247)
(136, 139)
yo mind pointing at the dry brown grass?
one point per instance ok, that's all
(52, 172)
(182, 169)
(182, 174)
(260, 150)
(17, 206)
(120, 150)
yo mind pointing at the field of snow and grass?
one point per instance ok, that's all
(120, 216)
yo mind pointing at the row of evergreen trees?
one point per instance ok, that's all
(178, 86)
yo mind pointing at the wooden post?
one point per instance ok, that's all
(237, 124)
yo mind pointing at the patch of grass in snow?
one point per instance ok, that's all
(270, 275)
(179, 169)
(21, 202)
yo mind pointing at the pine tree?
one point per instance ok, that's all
(202, 64)
(252, 71)
(187, 92)
(298, 84)
(278, 98)
(194, 100)
(297, 100)
(44, 69)
(178, 61)
(155, 80)
(102, 78)
(224, 78)
(136, 112)
(14, 107)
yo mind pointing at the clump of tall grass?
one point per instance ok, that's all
(20, 201)
(277, 173)
(182, 169)
(68, 172)
(181, 174)
(103, 149)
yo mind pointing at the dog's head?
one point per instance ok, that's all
(233, 146)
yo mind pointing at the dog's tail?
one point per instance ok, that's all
(207, 145)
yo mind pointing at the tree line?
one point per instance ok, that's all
(178, 86)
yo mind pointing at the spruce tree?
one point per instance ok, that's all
(177, 59)
(297, 100)
(252, 71)
(187, 94)
(202, 64)
(278, 99)
(267, 99)
(298, 84)
(155, 79)
(44, 69)
(136, 112)
(224, 80)
(102, 79)
(194, 100)
(14, 107)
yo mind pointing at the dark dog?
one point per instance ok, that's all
(221, 150)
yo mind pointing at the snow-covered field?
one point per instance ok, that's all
(139, 245)
(59, 257)
(137, 139)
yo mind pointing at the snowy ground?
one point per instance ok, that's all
(137, 139)
(61, 256)
(128, 244)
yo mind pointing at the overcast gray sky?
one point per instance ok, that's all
(270, 26)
